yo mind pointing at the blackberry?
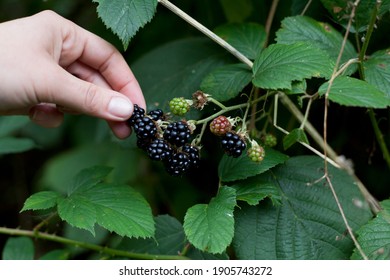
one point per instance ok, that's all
(178, 164)
(177, 133)
(193, 154)
(159, 149)
(232, 144)
(138, 113)
(156, 115)
(145, 128)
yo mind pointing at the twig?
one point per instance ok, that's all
(306, 7)
(270, 19)
(326, 172)
(94, 247)
(207, 32)
(349, 229)
(308, 127)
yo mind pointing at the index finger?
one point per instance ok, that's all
(82, 45)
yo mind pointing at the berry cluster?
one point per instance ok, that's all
(232, 142)
(164, 141)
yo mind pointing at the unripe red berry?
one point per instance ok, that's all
(220, 126)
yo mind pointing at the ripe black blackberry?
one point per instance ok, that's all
(159, 149)
(193, 154)
(178, 164)
(145, 128)
(156, 115)
(138, 113)
(232, 144)
(177, 133)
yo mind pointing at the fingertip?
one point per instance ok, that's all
(120, 129)
(120, 107)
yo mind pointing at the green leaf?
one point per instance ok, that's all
(177, 69)
(10, 124)
(253, 190)
(377, 70)
(320, 35)
(296, 135)
(9, 145)
(297, 87)
(226, 82)
(169, 239)
(89, 177)
(374, 237)
(117, 208)
(307, 224)
(353, 92)
(125, 17)
(247, 38)
(231, 169)
(18, 248)
(210, 227)
(41, 200)
(279, 65)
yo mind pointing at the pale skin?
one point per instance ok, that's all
(50, 66)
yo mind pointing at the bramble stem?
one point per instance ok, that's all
(270, 19)
(93, 247)
(378, 134)
(216, 102)
(207, 32)
(227, 109)
(379, 137)
(326, 171)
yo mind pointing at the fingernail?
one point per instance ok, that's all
(120, 107)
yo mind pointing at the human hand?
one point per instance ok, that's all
(50, 66)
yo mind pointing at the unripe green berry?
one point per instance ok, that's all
(256, 153)
(270, 140)
(179, 106)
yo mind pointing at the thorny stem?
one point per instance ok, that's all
(207, 32)
(89, 246)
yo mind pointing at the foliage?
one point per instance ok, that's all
(109, 197)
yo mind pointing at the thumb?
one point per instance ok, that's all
(75, 94)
